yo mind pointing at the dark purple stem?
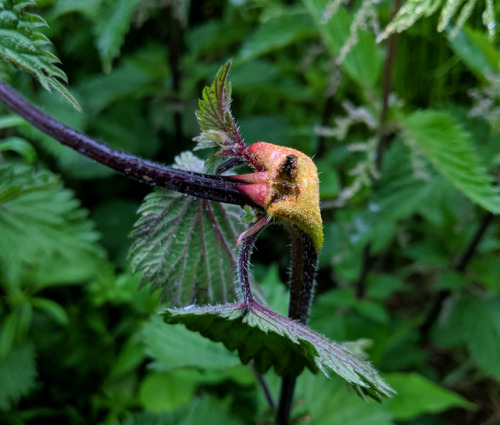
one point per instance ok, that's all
(304, 263)
(246, 248)
(216, 188)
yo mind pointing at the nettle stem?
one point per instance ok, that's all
(216, 188)
(304, 262)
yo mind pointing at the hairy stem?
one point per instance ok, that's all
(304, 262)
(216, 188)
(460, 267)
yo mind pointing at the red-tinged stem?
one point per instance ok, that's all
(216, 188)
(244, 254)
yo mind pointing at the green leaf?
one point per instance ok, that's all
(210, 410)
(417, 396)
(164, 392)
(473, 47)
(451, 151)
(24, 47)
(186, 246)
(113, 24)
(214, 113)
(175, 347)
(408, 14)
(363, 59)
(50, 307)
(46, 237)
(276, 33)
(20, 146)
(271, 340)
(326, 402)
(481, 324)
(17, 375)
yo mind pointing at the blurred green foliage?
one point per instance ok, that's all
(79, 343)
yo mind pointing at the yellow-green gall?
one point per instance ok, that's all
(288, 189)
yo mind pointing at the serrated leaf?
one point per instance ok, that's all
(481, 324)
(418, 395)
(46, 237)
(17, 375)
(214, 112)
(452, 153)
(22, 46)
(271, 340)
(186, 246)
(175, 347)
(113, 24)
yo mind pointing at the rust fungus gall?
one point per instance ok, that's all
(288, 189)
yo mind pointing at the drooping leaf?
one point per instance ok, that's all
(187, 246)
(481, 324)
(451, 10)
(408, 14)
(113, 24)
(451, 151)
(214, 114)
(277, 33)
(17, 375)
(418, 395)
(20, 146)
(22, 45)
(271, 340)
(45, 234)
(174, 347)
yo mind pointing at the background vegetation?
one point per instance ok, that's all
(402, 120)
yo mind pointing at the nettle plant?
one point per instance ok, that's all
(186, 238)
(192, 234)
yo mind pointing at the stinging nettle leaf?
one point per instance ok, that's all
(214, 113)
(452, 153)
(22, 46)
(272, 340)
(45, 234)
(186, 246)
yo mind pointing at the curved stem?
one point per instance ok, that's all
(216, 188)
(304, 262)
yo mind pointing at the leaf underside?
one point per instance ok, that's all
(24, 47)
(271, 340)
(187, 248)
